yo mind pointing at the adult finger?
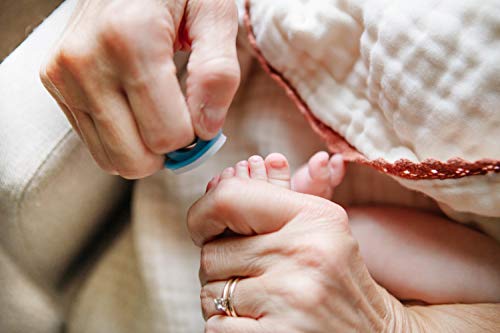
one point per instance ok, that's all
(244, 298)
(148, 74)
(54, 92)
(214, 72)
(67, 91)
(253, 208)
(245, 207)
(120, 136)
(224, 324)
(114, 121)
(239, 256)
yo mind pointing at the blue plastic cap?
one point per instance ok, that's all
(187, 159)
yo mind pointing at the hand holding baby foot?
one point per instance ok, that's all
(298, 263)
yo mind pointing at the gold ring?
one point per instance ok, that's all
(230, 298)
(225, 303)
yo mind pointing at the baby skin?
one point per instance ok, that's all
(416, 256)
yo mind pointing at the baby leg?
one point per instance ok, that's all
(425, 257)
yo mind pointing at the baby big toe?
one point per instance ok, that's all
(278, 170)
(257, 168)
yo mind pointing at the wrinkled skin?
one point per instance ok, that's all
(113, 75)
(301, 268)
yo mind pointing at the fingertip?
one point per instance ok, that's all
(210, 122)
(211, 89)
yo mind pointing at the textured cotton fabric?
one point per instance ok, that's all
(411, 88)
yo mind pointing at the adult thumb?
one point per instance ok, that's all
(213, 69)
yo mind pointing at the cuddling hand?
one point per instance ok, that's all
(114, 77)
(300, 268)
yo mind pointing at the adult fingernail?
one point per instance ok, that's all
(212, 118)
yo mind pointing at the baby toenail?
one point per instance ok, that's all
(227, 171)
(255, 159)
(278, 164)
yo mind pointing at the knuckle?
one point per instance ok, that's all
(221, 71)
(314, 252)
(134, 175)
(206, 299)
(74, 57)
(50, 76)
(327, 252)
(207, 261)
(101, 160)
(315, 296)
(227, 75)
(115, 27)
(122, 27)
(136, 170)
(161, 143)
(299, 292)
(331, 218)
(167, 139)
(100, 114)
(205, 294)
(104, 165)
(346, 252)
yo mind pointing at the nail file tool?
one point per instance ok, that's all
(191, 157)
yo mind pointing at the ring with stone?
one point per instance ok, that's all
(225, 303)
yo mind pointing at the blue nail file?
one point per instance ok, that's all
(187, 159)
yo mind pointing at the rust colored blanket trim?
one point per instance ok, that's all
(428, 169)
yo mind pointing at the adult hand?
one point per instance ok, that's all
(113, 75)
(300, 268)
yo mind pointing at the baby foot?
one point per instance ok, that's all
(320, 175)
(274, 169)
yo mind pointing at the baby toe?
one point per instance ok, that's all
(318, 167)
(242, 170)
(278, 170)
(257, 168)
(227, 173)
(337, 169)
(213, 183)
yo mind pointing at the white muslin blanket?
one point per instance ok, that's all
(411, 88)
